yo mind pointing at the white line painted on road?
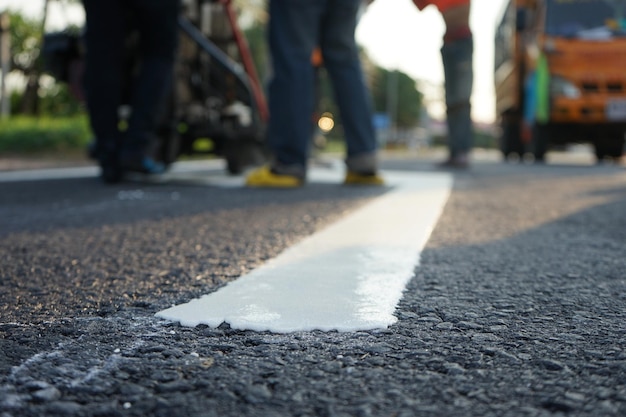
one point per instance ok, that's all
(48, 174)
(347, 277)
(178, 170)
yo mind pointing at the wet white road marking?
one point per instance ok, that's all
(347, 277)
(179, 170)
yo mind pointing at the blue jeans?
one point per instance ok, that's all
(459, 76)
(296, 27)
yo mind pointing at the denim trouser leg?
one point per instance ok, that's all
(104, 73)
(157, 21)
(293, 33)
(106, 65)
(457, 64)
(344, 67)
(296, 27)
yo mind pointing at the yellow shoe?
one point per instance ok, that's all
(353, 178)
(264, 178)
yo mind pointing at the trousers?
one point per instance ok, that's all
(110, 81)
(459, 76)
(296, 28)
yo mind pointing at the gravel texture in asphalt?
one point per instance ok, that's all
(516, 309)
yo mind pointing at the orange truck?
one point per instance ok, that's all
(560, 76)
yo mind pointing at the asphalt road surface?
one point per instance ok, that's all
(517, 308)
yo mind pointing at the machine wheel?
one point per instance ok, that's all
(243, 155)
(169, 148)
(169, 139)
(540, 140)
(511, 140)
(608, 148)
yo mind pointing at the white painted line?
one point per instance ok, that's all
(347, 277)
(178, 170)
(48, 174)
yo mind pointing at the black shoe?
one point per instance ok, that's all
(110, 170)
(111, 174)
(138, 162)
(460, 161)
(92, 150)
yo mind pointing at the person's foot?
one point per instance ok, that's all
(110, 170)
(92, 150)
(460, 161)
(139, 162)
(355, 178)
(111, 173)
(264, 177)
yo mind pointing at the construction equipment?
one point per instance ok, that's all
(217, 105)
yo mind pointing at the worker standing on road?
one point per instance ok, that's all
(296, 28)
(457, 54)
(107, 82)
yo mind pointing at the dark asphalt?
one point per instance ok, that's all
(516, 309)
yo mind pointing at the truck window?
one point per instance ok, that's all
(571, 18)
(504, 36)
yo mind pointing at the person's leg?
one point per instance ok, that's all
(293, 34)
(104, 39)
(343, 64)
(158, 30)
(457, 63)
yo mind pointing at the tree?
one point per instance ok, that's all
(27, 37)
(251, 12)
(26, 41)
(396, 90)
(257, 42)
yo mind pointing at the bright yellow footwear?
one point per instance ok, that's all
(353, 178)
(264, 178)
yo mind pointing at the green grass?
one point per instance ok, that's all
(27, 135)
(66, 136)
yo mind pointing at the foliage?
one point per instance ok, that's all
(57, 100)
(485, 140)
(256, 37)
(26, 39)
(27, 134)
(482, 139)
(251, 12)
(54, 100)
(398, 86)
(42, 95)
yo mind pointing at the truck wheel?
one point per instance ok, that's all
(607, 148)
(511, 140)
(617, 150)
(540, 140)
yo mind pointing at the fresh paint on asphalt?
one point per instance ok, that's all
(347, 277)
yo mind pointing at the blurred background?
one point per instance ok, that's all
(400, 51)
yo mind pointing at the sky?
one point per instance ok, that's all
(396, 36)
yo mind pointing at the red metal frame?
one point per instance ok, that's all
(248, 64)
